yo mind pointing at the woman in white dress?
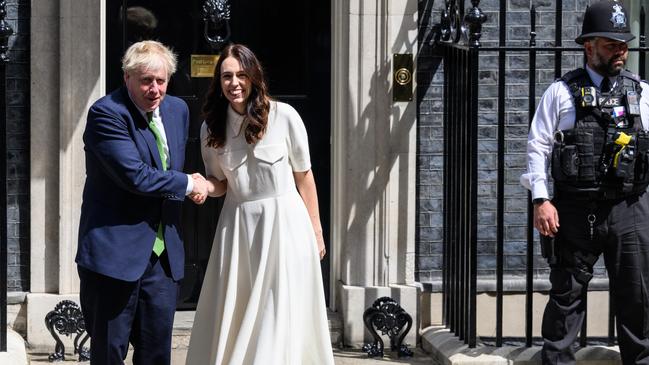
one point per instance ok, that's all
(262, 300)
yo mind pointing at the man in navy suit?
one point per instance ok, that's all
(130, 256)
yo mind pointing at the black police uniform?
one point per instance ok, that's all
(601, 172)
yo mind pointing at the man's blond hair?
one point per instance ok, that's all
(149, 55)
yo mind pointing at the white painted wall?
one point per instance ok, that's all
(67, 73)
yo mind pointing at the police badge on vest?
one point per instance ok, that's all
(606, 153)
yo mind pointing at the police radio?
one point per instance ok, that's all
(588, 96)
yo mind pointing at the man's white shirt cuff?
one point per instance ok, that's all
(190, 185)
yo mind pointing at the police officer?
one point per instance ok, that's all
(589, 134)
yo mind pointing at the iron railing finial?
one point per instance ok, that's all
(5, 33)
(474, 18)
(456, 24)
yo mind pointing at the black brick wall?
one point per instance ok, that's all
(17, 124)
(430, 148)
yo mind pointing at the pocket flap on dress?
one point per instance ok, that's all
(270, 153)
(233, 159)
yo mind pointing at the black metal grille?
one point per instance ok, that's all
(461, 51)
(460, 190)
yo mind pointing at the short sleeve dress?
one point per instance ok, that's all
(262, 299)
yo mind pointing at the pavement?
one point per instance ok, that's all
(349, 357)
(183, 322)
(341, 357)
(15, 354)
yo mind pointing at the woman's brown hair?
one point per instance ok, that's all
(257, 104)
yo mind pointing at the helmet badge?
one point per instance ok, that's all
(618, 18)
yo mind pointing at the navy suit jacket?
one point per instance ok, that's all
(127, 194)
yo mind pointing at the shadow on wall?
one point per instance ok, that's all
(381, 132)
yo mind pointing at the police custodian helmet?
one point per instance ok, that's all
(608, 19)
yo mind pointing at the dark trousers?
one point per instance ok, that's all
(118, 312)
(621, 233)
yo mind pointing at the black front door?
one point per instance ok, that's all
(292, 40)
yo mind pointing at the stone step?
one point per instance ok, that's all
(183, 323)
(341, 357)
(184, 320)
(447, 349)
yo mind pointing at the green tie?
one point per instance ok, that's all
(159, 244)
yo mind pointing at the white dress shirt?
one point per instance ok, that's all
(556, 111)
(157, 120)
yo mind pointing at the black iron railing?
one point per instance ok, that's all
(459, 39)
(460, 190)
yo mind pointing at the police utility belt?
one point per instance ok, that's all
(605, 156)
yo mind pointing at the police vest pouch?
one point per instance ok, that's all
(585, 150)
(642, 158)
(572, 156)
(567, 159)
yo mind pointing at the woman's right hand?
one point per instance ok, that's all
(216, 187)
(322, 251)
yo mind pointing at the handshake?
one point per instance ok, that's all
(201, 188)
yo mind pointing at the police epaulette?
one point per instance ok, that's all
(574, 74)
(630, 75)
